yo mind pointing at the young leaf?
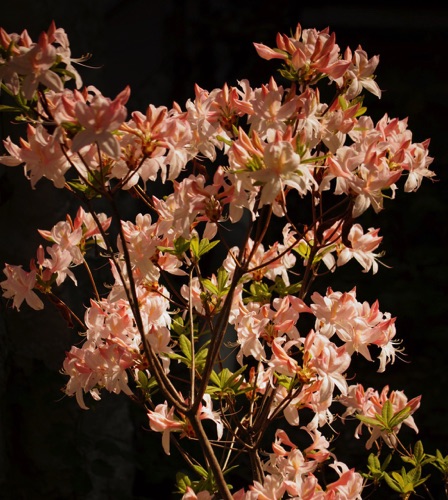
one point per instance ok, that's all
(205, 246)
(370, 421)
(211, 287)
(387, 412)
(399, 417)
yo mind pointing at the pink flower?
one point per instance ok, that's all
(318, 450)
(35, 64)
(141, 239)
(349, 486)
(329, 362)
(417, 165)
(250, 326)
(203, 118)
(230, 105)
(362, 247)
(19, 286)
(273, 487)
(309, 53)
(359, 74)
(59, 263)
(66, 237)
(59, 37)
(92, 368)
(86, 221)
(281, 168)
(281, 362)
(163, 420)
(271, 110)
(99, 118)
(368, 403)
(357, 324)
(42, 155)
(201, 495)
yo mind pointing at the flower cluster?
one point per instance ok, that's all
(70, 241)
(177, 312)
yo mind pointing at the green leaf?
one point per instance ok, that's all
(392, 483)
(177, 325)
(315, 159)
(227, 142)
(376, 469)
(343, 102)
(369, 421)
(414, 474)
(201, 357)
(211, 287)
(399, 477)
(142, 378)
(182, 481)
(418, 457)
(405, 482)
(373, 462)
(181, 245)
(282, 289)
(227, 383)
(418, 451)
(259, 292)
(205, 246)
(10, 109)
(178, 357)
(222, 278)
(360, 111)
(387, 412)
(386, 462)
(285, 381)
(415, 479)
(214, 379)
(185, 346)
(201, 471)
(439, 462)
(82, 188)
(71, 128)
(194, 247)
(294, 288)
(147, 385)
(322, 253)
(236, 375)
(303, 249)
(399, 417)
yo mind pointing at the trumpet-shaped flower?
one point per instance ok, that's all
(370, 403)
(281, 168)
(92, 368)
(42, 156)
(361, 248)
(19, 286)
(309, 53)
(100, 117)
(36, 65)
(162, 419)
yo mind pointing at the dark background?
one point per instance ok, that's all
(51, 449)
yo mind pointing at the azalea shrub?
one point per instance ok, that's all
(212, 320)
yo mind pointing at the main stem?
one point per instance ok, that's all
(210, 456)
